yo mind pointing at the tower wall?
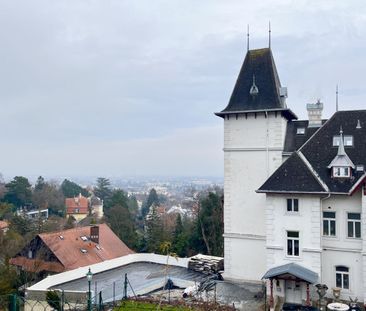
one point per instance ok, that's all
(253, 145)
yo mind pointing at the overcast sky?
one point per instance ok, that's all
(126, 88)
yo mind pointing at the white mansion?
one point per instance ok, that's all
(295, 196)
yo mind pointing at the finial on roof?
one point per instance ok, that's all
(341, 150)
(358, 126)
(248, 38)
(254, 89)
(337, 98)
(269, 34)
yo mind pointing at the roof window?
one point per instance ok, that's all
(97, 247)
(347, 140)
(360, 168)
(83, 250)
(61, 237)
(84, 238)
(300, 131)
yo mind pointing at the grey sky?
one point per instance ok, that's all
(116, 88)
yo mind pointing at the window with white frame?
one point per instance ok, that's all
(300, 131)
(354, 225)
(329, 223)
(293, 243)
(292, 205)
(342, 277)
(347, 140)
(341, 171)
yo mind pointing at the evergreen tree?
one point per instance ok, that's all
(151, 199)
(103, 190)
(120, 218)
(154, 231)
(210, 226)
(180, 238)
(71, 189)
(18, 191)
(39, 184)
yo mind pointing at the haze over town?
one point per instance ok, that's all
(108, 88)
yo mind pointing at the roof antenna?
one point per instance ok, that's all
(337, 98)
(248, 38)
(269, 34)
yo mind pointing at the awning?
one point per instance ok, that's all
(292, 269)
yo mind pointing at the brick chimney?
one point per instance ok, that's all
(315, 114)
(94, 234)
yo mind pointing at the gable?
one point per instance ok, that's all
(292, 176)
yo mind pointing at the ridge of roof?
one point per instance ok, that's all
(311, 169)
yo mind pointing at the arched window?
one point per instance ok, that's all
(342, 277)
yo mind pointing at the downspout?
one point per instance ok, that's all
(321, 240)
(267, 142)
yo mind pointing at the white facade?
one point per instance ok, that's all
(253, 145)
(318, 251)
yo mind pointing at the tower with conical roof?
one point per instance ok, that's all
(254, 132)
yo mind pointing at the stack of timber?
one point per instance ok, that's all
(206, 264)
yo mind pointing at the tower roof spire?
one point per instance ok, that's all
(269, 34)
(341, 159)
(248, 38)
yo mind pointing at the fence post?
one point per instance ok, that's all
(62, 300)
(13, 302)
(125, 287)
(100, 305)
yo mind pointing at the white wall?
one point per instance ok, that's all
(306, 222)
(253, 150)
(319, 253)
(341, 250)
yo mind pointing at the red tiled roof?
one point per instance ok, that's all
(3, 224)
(68, 250)
(77, 205)
(36, 265)
(73, 252)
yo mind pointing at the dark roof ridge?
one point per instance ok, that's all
(312, 170)
(317, 131)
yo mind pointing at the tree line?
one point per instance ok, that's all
(147, 228)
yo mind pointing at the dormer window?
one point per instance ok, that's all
(341, 171)
(300, 131)
(341, 165)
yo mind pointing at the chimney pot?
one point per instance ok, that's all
(94, 234)
(315, 114)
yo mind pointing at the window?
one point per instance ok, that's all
(354, 225)
(292, 243)
(300, 131)
(76, 210)
(30, 254)
(359, 168)
(329, 223)
(347, 140)
(340, 171)
(292, 205)
(342, 277)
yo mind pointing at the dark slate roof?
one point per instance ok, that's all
(294, 141)
(285, 180)
(259, 63)
(319, 152)
(293, 269)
